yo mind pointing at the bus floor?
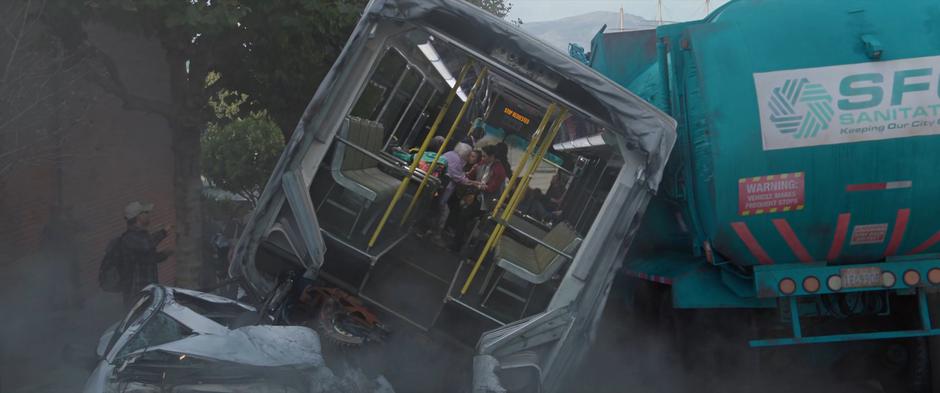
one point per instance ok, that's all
(430, 345)
(433, 336)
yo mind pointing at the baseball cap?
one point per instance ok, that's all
(134, 209)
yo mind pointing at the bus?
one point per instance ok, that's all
(504, 294)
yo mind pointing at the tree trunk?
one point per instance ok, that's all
(187, 185)
(187, 78)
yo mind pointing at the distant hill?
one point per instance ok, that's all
(580, 29)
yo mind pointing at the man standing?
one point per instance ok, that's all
(138, 251)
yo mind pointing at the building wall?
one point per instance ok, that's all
(67, 208)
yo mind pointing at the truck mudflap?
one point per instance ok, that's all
(909, 275)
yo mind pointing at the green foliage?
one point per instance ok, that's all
(291, 45)
(239, 156)
(499, 8)
(277, 52)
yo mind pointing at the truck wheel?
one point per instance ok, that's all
(673, 329)
(933, 343)
(905, 366)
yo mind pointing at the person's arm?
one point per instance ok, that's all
(455, 172)
(158, 236)
(161, 256)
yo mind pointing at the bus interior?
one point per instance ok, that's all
(513, 274)
(373, 203)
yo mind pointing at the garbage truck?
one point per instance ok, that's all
(802, 191)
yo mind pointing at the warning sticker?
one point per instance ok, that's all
(771, 194)
(869, 234)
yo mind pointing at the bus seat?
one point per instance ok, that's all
(533, 265)
(536, 265)
(356, 171)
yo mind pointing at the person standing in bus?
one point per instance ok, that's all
(491, 174)
(495, 171)
(456, 159)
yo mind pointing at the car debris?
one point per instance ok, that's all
(178, 340)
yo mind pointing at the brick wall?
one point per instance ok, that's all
(110, 158)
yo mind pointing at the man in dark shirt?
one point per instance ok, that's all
(138, 250)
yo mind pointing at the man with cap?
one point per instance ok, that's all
(138, 250)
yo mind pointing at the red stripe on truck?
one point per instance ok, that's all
(748, 238)
(865, 187)
(783, 227)
(891, 185)
(897, 235)
(842, 228)
(926, 244)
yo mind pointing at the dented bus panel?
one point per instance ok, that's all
(347, 196)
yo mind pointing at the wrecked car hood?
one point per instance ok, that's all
(262, 346)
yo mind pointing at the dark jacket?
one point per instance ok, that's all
(139, 258)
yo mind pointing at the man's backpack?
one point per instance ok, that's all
(109, 272)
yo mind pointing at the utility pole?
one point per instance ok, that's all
(660, 3)
(621, 18)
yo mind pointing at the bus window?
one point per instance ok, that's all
(380, 86)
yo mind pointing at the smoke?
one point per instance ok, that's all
(638, 352)
(49, 332)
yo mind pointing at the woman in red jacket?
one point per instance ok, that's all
(490, 176)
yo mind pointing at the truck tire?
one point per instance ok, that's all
(905, 366)
(933, 343)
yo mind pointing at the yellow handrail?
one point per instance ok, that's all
(515, 200)
(450, 134)
(421, 150)
(536, 137)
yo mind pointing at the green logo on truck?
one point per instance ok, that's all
(849, 103)
(800, 108)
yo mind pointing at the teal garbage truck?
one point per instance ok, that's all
(803, 188)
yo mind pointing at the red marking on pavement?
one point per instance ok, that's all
(926, 244)
(748, 238)
(839, 239)
(783, 227)
(897, 234)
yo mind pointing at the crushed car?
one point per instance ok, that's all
(178, 340)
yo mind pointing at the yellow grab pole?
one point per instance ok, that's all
(424, 146)
(450, 134)
(514, 201)
(525, 157)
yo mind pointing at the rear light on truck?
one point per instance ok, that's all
(811, 284)
(888, 279)
(787, 286)
(933, 275)
(911, 278)
(834, 283)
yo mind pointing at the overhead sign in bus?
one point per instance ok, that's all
(516, 115)
(849, 103)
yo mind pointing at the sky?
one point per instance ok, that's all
(673, 10)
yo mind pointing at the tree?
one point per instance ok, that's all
(239, 156)
(499, 8)
(276, 52)
(37, 78)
